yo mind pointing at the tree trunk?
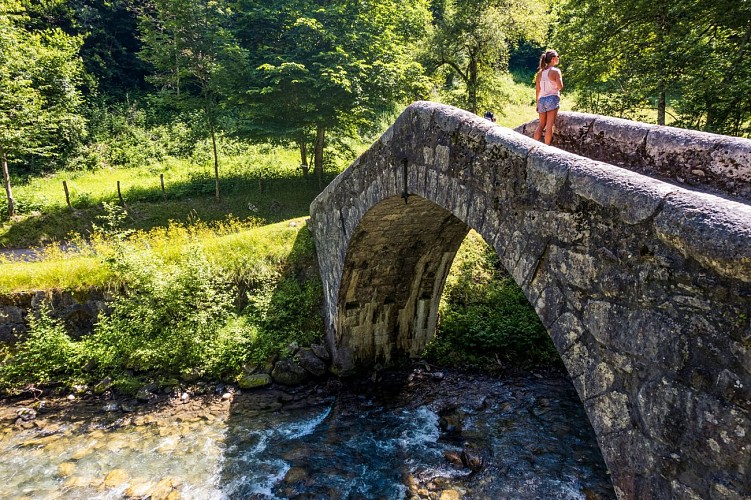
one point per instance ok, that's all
(472, 84)
(303, 156)
(661, 104)
(318, 159)
(8, 191)
(216, 158)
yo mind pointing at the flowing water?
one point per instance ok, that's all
(416, 434)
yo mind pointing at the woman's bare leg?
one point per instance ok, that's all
(550, 120)
(540, 126)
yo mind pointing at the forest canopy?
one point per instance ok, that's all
(82, 82)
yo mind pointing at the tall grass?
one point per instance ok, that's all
(262, 184)
(242, 248)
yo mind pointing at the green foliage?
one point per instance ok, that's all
(126, 136)
(485, 319)
(40, 75)
(469, 50)
(167, 317)
(632, 56)
(184, 305)
(46, 355)
(314, 69)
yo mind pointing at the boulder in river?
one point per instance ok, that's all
(286, 372)
(321, 352)
(253, 381)
(451, 421)
(472, 458)
(453, 457)
(307, 359)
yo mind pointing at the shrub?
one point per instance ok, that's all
(485, 317)
(167, 318)
(47, 354)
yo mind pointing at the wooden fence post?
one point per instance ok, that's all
(120, 194)
(67, 194)
(161, 180)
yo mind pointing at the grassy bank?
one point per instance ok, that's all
(190, 302)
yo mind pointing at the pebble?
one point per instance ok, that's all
(116, 478)
(111, 406)
(66, 469)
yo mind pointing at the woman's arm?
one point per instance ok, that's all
(557, 78)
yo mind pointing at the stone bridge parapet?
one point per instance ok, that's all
(643, 285)
(716, 163)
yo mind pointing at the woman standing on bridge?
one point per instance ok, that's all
(548, 85)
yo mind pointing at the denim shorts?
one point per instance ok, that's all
(548, 103)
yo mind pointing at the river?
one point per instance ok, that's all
(412, 434)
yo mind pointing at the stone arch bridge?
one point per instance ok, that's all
(643, 282)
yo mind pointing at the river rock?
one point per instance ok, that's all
(66, 469)
(286, 372)
(139, 488)
(321, 351)
(144, 394)
(166, 489)
(253, 381)
(307, 359)
(453, 457)
(295, 475)
(26, 414)
(116, 478)
(111, 406)
(102, 386)
(450, 495)
(472, 458)
(451, 421)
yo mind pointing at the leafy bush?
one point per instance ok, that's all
(178, 307)
(485, 319)
(166, 319)
(46, 355)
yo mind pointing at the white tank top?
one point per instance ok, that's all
(547, 86)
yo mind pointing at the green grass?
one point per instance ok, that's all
(189, 300)
(264, 185)
(240, 250)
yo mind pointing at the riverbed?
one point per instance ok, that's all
(413, 434)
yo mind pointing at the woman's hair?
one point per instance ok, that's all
(545, 59)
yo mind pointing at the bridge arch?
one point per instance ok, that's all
(643, 285)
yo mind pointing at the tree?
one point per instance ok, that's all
(715, 90)
(191, 50)
(319, 66)
(625, 56)
(40, 73)
(471, 43)
(110, 40)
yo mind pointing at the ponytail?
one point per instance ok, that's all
(545, 59)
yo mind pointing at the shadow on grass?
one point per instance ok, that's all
(268, 200)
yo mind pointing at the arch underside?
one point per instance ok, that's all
(394, 273)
